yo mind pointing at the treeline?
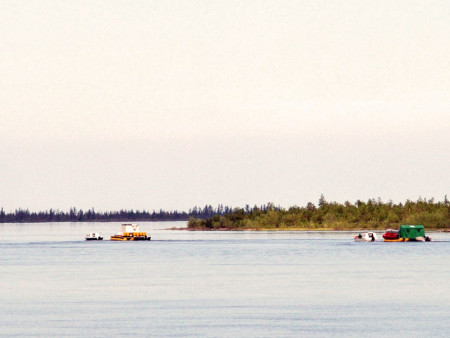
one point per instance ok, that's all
(78, 215)
(373, 214)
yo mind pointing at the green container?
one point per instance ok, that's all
(411, 231)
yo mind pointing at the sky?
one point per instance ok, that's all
(171, 104)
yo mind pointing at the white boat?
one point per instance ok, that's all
(366, 237)
(94, 236)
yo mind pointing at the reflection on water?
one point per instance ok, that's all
(218, 283)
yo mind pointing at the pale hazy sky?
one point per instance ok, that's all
(170, 104)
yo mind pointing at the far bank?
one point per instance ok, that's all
(370, 215)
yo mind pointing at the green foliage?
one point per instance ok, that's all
(373, 214)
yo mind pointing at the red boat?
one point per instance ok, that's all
(391, 234)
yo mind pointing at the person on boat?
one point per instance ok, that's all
(359, 236)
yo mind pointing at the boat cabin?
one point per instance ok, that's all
(130, 227)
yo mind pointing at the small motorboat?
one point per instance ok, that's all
(366, 237)
(94, 236)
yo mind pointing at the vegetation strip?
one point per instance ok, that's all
(373, 214)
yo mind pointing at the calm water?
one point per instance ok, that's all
(258, 284)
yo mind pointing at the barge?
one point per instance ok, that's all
(407, 233)
(130, 232)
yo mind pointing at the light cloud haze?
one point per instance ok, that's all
(171, 104)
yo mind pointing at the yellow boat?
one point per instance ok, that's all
(130, 232)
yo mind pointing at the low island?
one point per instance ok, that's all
(373, 214)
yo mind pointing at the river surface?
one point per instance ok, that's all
(218, 284)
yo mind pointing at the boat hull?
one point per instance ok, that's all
(418, 239)
(129, 238)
